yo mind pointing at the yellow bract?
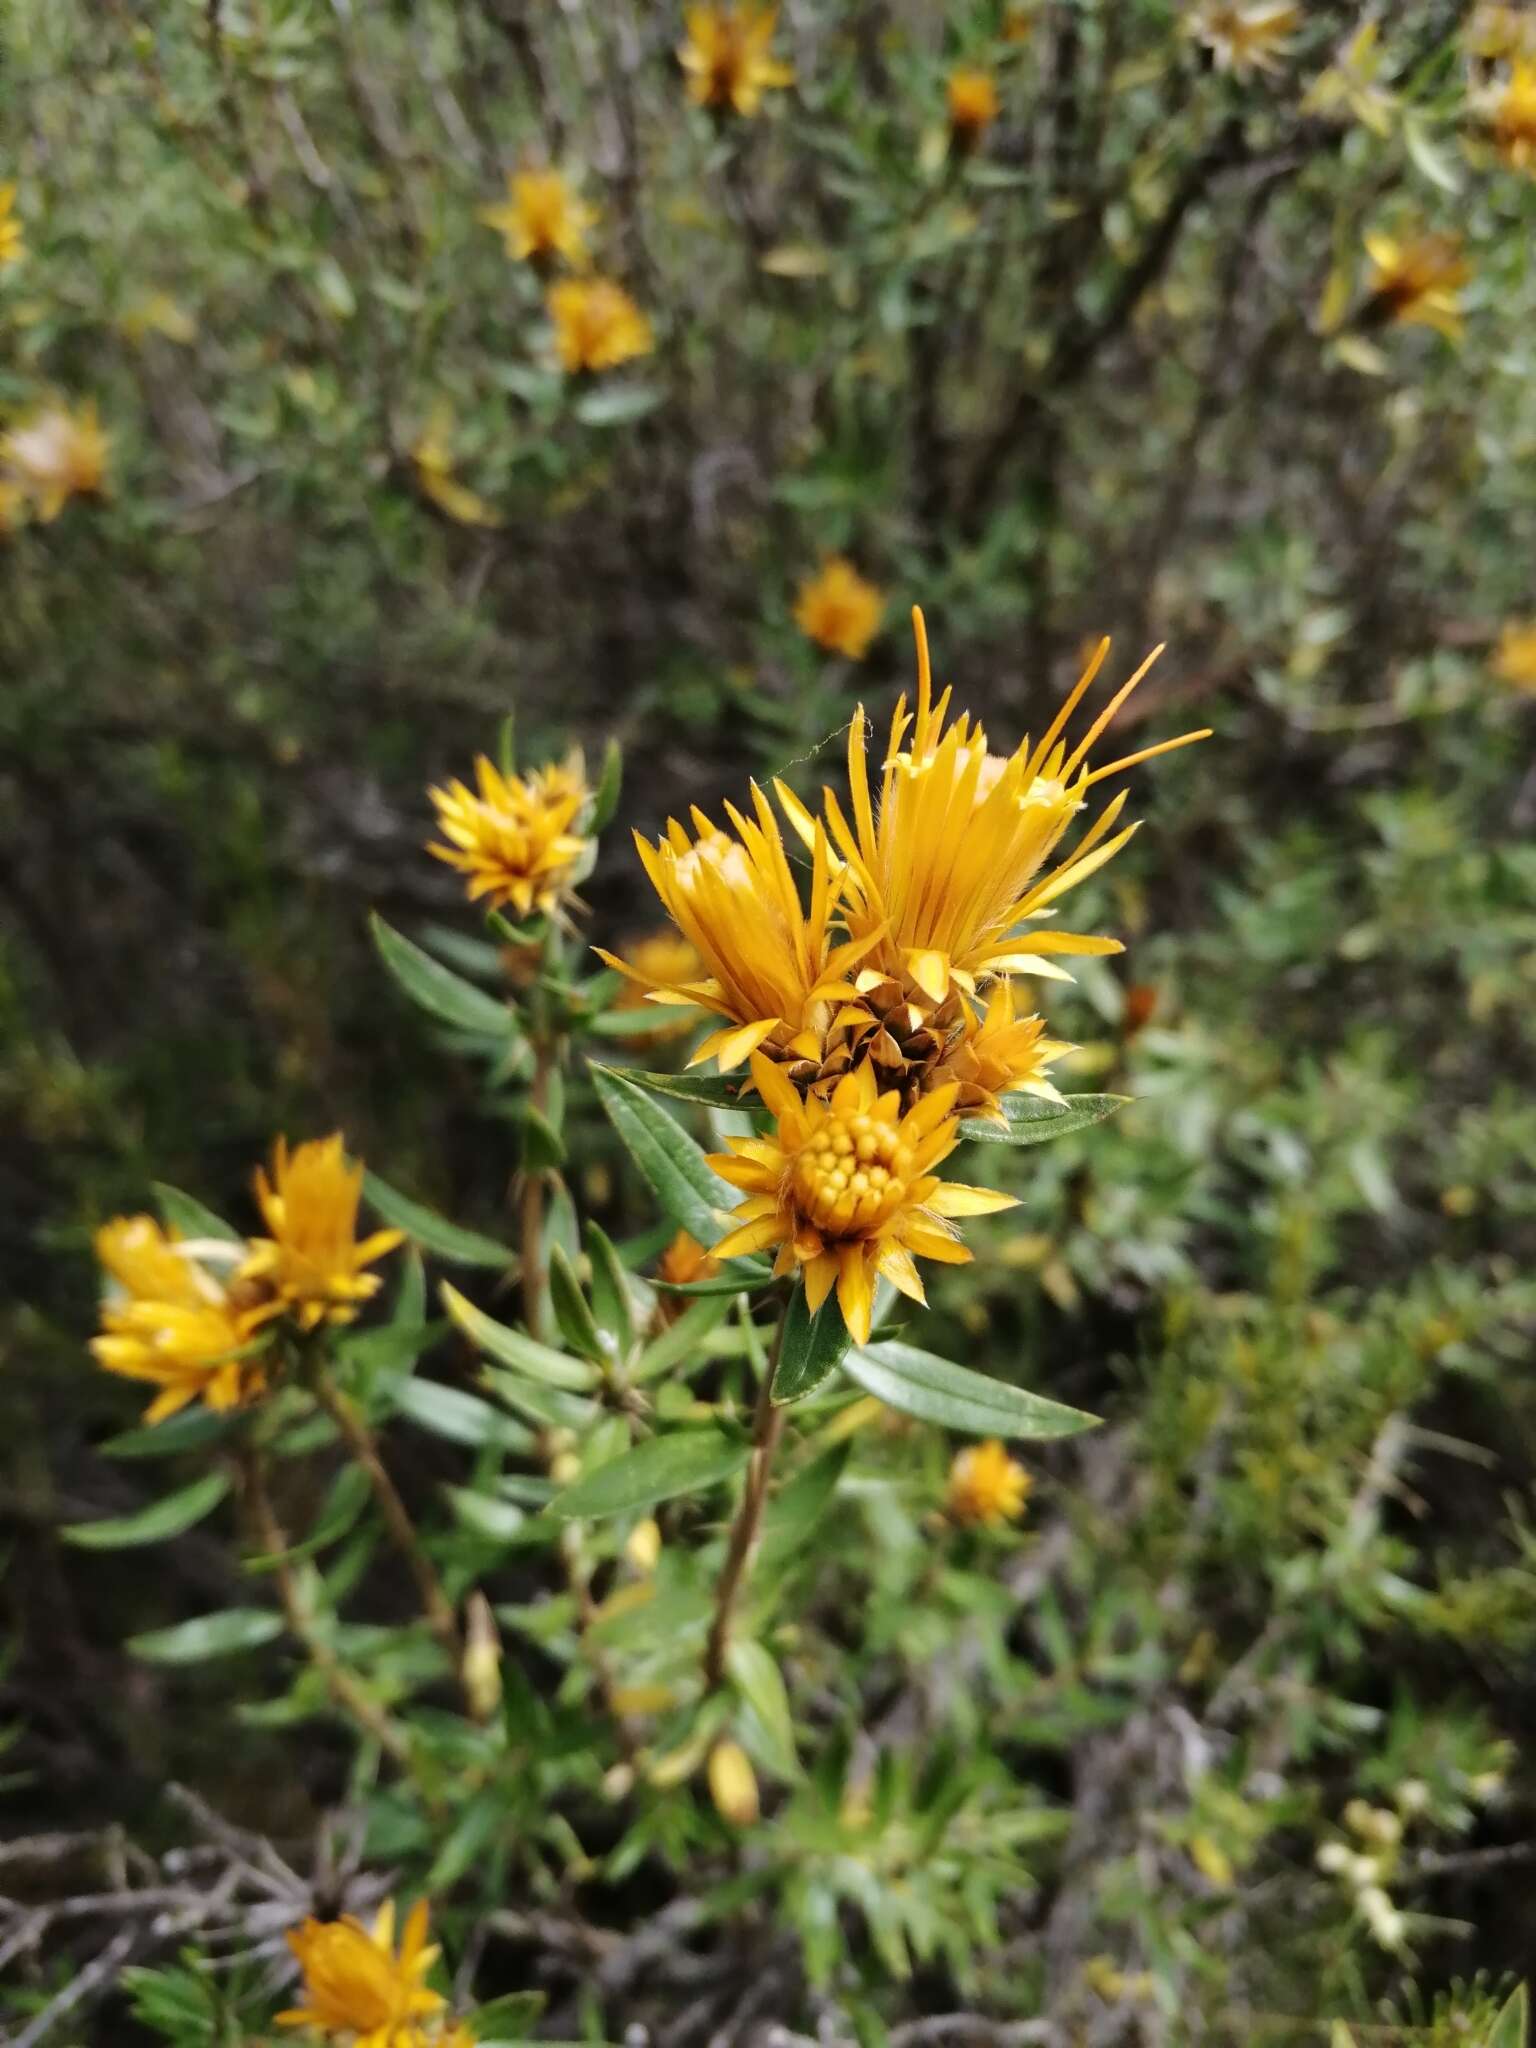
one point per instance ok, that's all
(1514, 659)
(172, 1323)
(1243, 38)
(312, 1262)
(12, 241)
(541, 217)
(57, 455)
(358, 1987)
(971, 96)
(1514, 116)
(597, 324)
(726, 56)
(986, 1486)
(846, 1191)
(838, 610)
(518, 840)
(1418, 280)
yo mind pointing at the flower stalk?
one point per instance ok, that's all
(767, 1433)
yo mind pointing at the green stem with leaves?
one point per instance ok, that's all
(767, 1433)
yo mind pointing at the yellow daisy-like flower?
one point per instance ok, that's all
(662, 960)
(171, 1323)
(1514, 659)
(770, 965)
(846, 1190)
(519, 840)
(433, 459)
(597, 324)
(13, 246)
(313, 1261)
(1514, 116)
(986, 1486)
(971, 96)
(57, 455)
(541, 218)
(1002, 1055)
(838, 610)
(1417, 281)
(727, 57)
(358, 1987)
(1244, 38)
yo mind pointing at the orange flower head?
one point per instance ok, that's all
(986, 1486)
(541, 218)
(971, 96)
(597, 325)
(1418, 281)
(728, 59)
(838, 610)
(515, 838)
(1514, 116)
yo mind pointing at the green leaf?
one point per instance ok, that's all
(616, 405)
(348, 1496)
(573, 1312)
(468, 1839)
(642, 1020)
(510, 2017)
(543, 1146)
(666, 1466)
(484, 1515)
(436, 988)
(758, 1679)
(918, 1383)
(1512, 2028)
(606, 800)
(161, 1520)
(613, 1289)
(192, 1430)
(549, 1407)
(713, 1089)
(811, 1350)
(679, 1338)
(1033, 1122)
(187, 1216)
(687, 1187)
(794, 1512)
(1429, 160)
(461, 1418)
(515, 1348)
(432, 1232)
(209, 1635)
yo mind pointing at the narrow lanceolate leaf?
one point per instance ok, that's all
(461, 1418)
(679, 1340)
(187, 1216)
(524, 1354)
(757, 1678)
(1512, 2028)
(1033, 1122)
(154, 1524)
(715, 1090)
(192, 1430)
(432, 1232)
(614, 1291)
(667, 1466)
(932, 1389)
(605, 798)
(811, 1350)
(436, 988)
(573, 1312)
(683, 1181)
(208, 1635)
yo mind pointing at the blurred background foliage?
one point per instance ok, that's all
(1115, 361)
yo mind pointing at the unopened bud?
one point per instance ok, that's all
(644, 1545)
(733, 1784)
(564, 1468)
(482, 1658)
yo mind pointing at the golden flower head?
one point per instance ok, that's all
(661, 960)
(57, 455)
(1244, 37)
(1514, 116)
(170, 1322)
(838, 610)
(768, 965)
(12, 240)
(971, 97)
(1001, 1055)
(846, 1190)
(1514, 659)
(1417, 280)
(727, 57)
(518, 840)
(597, 324)
(357, 1986)
(542, 218)
(685, 1260)
(312, 1262)
(986, 1486)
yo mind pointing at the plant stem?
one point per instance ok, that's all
(767, 1429)
(342, 1686)
(530, 1207)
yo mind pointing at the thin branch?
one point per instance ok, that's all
(767, 1430)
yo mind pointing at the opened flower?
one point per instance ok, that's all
(57, 455)
(986, 1486)
(846, 1190)
(972, 100)
(1244, 37)
(358, 1987)
(838, 610)
(313, 1263)
(728, 59)
(171, 1323)
(12, 241)
(1514, 659)
(541, 218)
(1417, 281)
(597, 324)
(518, 840)
(1514, 116)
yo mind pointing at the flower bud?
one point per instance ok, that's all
(482, 1658)
(733, 1784)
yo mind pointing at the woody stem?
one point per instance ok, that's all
(767, 1430)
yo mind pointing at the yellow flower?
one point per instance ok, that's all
(1514, 116)
(519, 839)
(357, 1986)
(541, 218)
(57, 455)
(1243, 38)
(768, 964)
(846, 1190)
(1515, 658)
(838, 610)
(1005, 1053)
(660, 961)
(433, 457)
(986, 1485)
(597, 324)
(312, 1261)
(973, 104)
(172, 1323)
(726, 57)
(1417, 280)
(12, 241)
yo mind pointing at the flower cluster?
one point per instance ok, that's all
(888, 1007)
(361, 1990)
(195, 1317)
(517, 838)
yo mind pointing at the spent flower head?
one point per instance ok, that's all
(172, 1322)
(728, 59)
(313, 1263)
(516, 838)
(838, 609)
